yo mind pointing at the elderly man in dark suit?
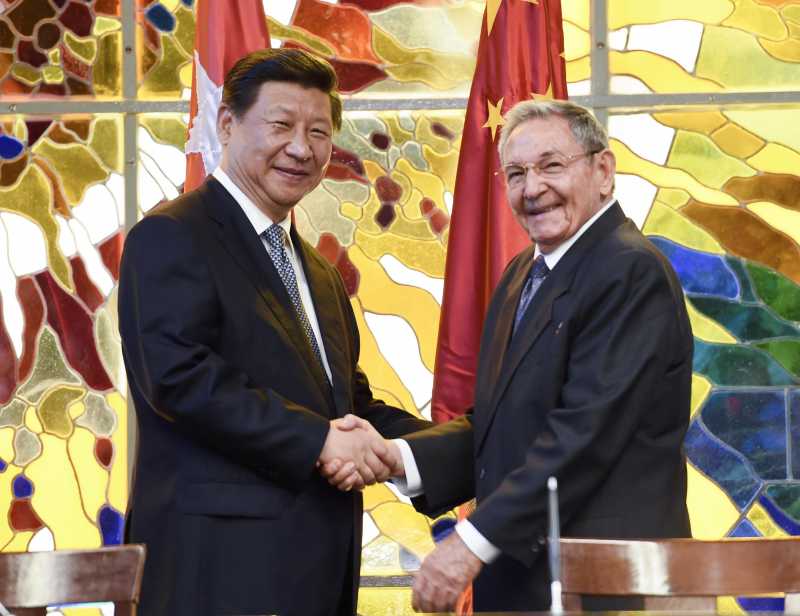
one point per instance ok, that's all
(241, 349)
(584, 374)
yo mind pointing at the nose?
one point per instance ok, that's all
(298, 146)
(534, 184)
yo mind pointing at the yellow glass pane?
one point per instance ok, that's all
(118, 481)
(701, 157)
(778, 125)
(774, 158)
(92, 478)
(58, 501)
(737, 61)
(759, 19)
(764, 523)
(385, 602)
(576, 12)
(711, 512)
(577, 42)
(701, 387)
(737, 141)
(628, 162)
(664, 221)
(783, 219)
(706, 329)
(623, 13)
(660, 74)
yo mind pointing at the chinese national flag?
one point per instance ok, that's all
(520, 56)
(225, 31)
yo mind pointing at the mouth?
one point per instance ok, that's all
(534, 211)
(295, 174)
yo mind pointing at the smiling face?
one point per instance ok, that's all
(279, 149)
(552, 209)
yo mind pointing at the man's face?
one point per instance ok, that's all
(553, 202)
(279, 149)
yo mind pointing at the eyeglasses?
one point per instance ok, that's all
(551, 166)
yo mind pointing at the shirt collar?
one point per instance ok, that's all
(552, 258)
(260, 221)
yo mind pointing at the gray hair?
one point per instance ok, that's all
(584, 126)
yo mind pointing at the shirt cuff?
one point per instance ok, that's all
(477, 543)
(411, 484)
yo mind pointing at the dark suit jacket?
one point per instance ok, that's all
(594, 389)
(233, 410)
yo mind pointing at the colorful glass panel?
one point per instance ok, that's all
(60, 49)
(672, 46)
(164, 43)
(63, 439)
(713, 189)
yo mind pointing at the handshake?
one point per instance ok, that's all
(355, 455)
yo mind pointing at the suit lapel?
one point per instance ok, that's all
(330, 318)
(557, 283)
(245, 247)
(497, 343)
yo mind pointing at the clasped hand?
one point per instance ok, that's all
(355, 455)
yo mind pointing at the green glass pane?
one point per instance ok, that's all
(780, 294)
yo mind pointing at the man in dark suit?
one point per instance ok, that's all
(241, 349)
(584, 374)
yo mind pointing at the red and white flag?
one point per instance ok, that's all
(225, 30)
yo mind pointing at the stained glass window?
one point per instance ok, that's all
(63, 435)
(60, 48)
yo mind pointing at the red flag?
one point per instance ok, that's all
(520, 56)
(225, 30)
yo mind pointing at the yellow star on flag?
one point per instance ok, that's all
(547, 96)
(532, 1)
(495, 116)
(492, 6)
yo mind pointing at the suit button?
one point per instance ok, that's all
(534, 548)
(483, 473)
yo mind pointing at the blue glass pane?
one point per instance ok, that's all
(752, 423)
(160, 17)
(111, 524)
(22, 487)
(726, 468)
(699, 272)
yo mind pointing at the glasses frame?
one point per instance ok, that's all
(537, 169)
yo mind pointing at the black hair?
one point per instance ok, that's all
(244, 80)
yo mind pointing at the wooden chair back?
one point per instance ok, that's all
(681, 574)
(30, 581)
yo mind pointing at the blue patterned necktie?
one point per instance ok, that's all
(276, 247)
(535, 279)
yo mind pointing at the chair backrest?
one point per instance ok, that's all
(680, 574)
(30, 581)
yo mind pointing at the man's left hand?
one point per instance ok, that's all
(444, 574)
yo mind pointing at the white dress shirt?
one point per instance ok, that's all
(412, 486)
(261, 222)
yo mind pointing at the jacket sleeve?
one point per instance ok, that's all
(169, 319)
(618, 356)
(445, 460)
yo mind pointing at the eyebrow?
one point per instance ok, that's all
(290, 110)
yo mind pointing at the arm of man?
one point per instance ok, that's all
(170, 327)
(628, 339)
